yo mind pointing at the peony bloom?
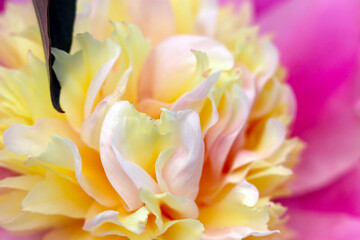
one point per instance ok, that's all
(319, 43)
(176, 125)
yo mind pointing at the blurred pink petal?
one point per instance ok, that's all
(333, 144)
(319, 226)
(319, 43)
(341, 196)
(4, 235)
(260, 6)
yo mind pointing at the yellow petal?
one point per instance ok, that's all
(90, 67)
(57, 196)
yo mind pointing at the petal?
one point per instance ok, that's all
(330, 153)
(156, 20)
(189, 229)
(160, 78)
(330, 226)
(13, 218)
(124, 223)
(33, 140)
(90, 66)
(274, 133)
(91, 128)
(195, 100)
(342, 196)
(91, 176)
(174, 206)
(10, 236)
(207, 18)
(114, 170)
(57, 196)
(233, 218)
(309, 44)
(182, 171)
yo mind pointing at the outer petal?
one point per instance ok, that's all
(332, 145)
(309, 44)
(329, 226)
(342, 196)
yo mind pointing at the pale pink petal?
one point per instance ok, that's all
(138, 176)
(330, 226)
(155, 19)
(160, 78)
(207, 17)
(113, 166)
(193, 99)
(233, 233)
(5, 235)
(222, 135)
(182, 171)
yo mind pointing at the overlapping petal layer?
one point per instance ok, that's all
(172, 132)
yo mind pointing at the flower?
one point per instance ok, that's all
(319, 45)
(176, 125)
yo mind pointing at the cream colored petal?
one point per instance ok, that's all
(15, 163)
(233, 233)
(185, 13)
(33, 140)
(174, 207)
(135, 49)
(25, 94)
(189, 229)
(117, 176)
(269, 179)
(196, 99)
(97, 82)
(155, 19)
(207, 18)
(222, 135)
(182, 171)
(160, 78)
(25, 182)
(269, 141)
(57, 196)
(246, 193)
(13, 218)
(91, 128)
(267, 64)
(233, 213)
(113, 222)
(90, 66)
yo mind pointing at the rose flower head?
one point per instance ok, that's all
(176, 125)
